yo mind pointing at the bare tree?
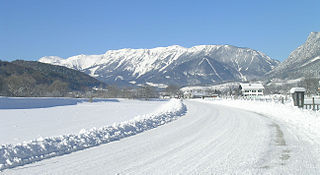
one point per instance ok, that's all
(311, 84)
(147, 91)
(58, 88)
(172, 90)
(22, 85)
(2, 88)
(128, 92)
(113, 91)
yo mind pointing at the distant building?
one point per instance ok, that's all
(194, 94)
(251, 90)
(199, 94)
(165, 95)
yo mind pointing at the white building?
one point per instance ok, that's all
(194, 93)
(251, 90)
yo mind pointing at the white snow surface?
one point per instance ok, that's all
(297, 89)
(304, 120)
(302, 123)
(42, 148)
(24, 119)
(211, 138)
(163, 86)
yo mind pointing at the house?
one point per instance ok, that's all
(251, 89)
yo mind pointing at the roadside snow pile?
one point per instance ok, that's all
(42, 148)
(307, 121)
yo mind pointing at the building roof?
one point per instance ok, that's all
(250, 86)
(297, 89)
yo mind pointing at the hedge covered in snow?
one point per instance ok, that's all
(42, 148)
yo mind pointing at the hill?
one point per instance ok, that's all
(31, 78)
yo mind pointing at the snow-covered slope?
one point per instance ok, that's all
(305, 60)
(203, 64)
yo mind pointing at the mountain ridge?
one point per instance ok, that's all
(168, 64)
(301, 62)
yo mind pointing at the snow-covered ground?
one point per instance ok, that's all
(302, 124)
(12, 155)
(213, 137)
(20, 125)
(303, 120)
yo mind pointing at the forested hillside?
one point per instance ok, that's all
(31, 78)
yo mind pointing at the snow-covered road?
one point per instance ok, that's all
(209, 139)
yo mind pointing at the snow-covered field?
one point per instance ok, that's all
(213, 137)
(18, 125)
(123, 115)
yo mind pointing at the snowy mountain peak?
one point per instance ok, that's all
(314, 35)
(301, 60)
(223, 63)
(50, 59)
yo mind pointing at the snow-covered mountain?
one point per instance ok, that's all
(198, 65)
(304, 61)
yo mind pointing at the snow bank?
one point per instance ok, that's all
(306, 121)
(42, 148)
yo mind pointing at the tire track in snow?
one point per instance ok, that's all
(279, 152)
(284, 149)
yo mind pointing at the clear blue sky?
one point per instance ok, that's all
(30, 29)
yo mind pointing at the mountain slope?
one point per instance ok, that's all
(304, 61)
(198, 65)
(77, 80)
(31, 78)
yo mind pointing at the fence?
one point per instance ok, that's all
(312, 104)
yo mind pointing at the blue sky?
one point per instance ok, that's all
(30, 29)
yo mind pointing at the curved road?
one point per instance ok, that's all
(210, 139)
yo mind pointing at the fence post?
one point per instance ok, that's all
(313, 104)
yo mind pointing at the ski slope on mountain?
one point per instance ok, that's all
(209, 139)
